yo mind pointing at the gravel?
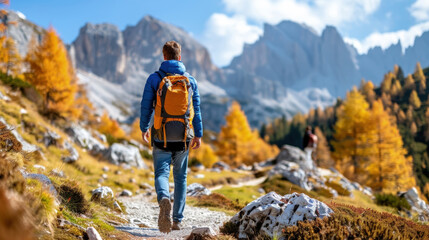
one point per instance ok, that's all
(146, 210)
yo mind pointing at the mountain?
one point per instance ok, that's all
(288, 70)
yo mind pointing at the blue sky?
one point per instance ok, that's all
(225, 25)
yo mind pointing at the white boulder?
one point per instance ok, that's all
(196, 189)
(128, 154)
(271, 213)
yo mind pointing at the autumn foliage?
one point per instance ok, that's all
(52, 74)
(110, 127)
(238, 144)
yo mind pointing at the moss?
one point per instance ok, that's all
(241, 195)
(216, 202)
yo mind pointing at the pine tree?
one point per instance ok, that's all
(420, 78)
(352, 132)
(388, 162)
(415, 100)
(323, 154)
(51, 72)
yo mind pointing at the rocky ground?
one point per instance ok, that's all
(143, 211)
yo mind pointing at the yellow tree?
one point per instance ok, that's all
(420, 78)
(205, 155)
(352, 132)
(367, 90)
(415, 100)
(409, 83)
(237, 143)
(323, 154)
(110, 127)
(10, 60)
(52, 74)
(389, 169)
(386, 84)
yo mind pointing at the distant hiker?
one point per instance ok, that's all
(177, 126)
(309, 144)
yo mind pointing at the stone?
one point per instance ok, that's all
(198, 167)
(272, 212)
(199, 176)
(201, 233)
(138, 222)
(121, 153)
(296, 155)
(221, 165)
(256, 167)
(417, 204)
(104, 176)
(51, 138)
(84, 139)
(106, 169)
(126, 193)
(39, 167)
(292, 172)
(217, 170)
(93, 234)
(25, 146)
(196, 189)
(117, 207)
(47, 183)
(132, 180)
(244, 167)
(74, 154)
(58, 173)
(102, 193)
(23, 111)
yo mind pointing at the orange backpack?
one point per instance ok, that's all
(173, 110)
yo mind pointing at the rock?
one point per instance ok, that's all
(292, 172)
(198, 167)
(4, 97)
(417, 204)
(146, 186)
(296, 155)
(244, 167)
(104, 176)
(221, 165)
(271, 213)
(47, 183)
(58, 173)
(51, 138)
(117, 172)
(201, 233)
(217, 170)
(23, 111)
(196, 189)
(132, 180)
(121, 153)
(74, 154)
(39, 167)
(117, 207)
(102, 193)
(106, 169)
(256, 167)
(25, 146)
(261, 190)
(93, 234)
(138, 222)
(84, 139)
(199, 176)
(126, 193)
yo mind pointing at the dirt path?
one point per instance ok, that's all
(146, 210)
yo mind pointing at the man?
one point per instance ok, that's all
(309, 145)
(165, 150)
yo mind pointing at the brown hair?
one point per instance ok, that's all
(171, 50)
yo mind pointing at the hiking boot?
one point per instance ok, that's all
(164, 220)
(176, 226)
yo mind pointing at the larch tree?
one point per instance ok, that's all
(351, 136)
(323, 154)
(110, 127)
(420, 78)
(237, 143)
(386, 84)
(415, 100)
(52, 74)
(205, 155)
(410, 84)
(10, 60)
(389, 169)
(367, 90)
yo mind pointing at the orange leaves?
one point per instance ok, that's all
(51, 72)
(237, 143)
(109, 126)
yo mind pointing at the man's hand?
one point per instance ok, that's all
(145, 136)
(195, 143)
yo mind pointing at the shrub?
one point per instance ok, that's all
(391, 200)
(218, 201)
(348, 222)
(14, 82)
(73, 198)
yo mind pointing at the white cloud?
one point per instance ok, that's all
(420, 10)
(317, 13)
(384, 40)
(224, 36)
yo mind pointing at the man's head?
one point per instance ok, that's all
(172, 51)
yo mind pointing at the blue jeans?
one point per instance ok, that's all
(161, 162)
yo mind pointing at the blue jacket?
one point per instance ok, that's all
(149, 95)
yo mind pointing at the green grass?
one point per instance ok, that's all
(241, 195)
